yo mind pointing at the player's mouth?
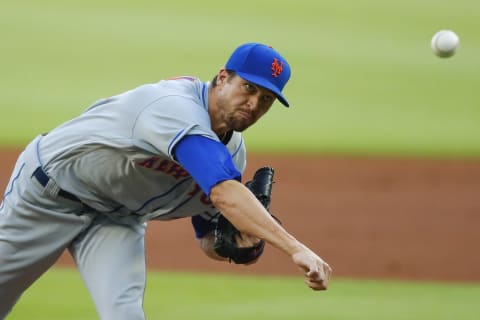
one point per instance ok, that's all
(245, 115)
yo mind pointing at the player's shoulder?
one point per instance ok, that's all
(181, 93)
(181, 90)
(183, 78)
(178, 86)
(181, 85)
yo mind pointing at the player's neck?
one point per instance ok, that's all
(225, 138)
(217, 125)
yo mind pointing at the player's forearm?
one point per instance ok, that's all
(248, 215)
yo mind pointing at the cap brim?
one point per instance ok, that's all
(260, 81)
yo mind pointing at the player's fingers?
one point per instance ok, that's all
(314, 275)
(319, 280)
(316, 284)
(321, 272)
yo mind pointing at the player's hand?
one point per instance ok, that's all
(317, 271)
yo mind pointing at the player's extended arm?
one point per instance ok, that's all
(249, 216)
(211, 165)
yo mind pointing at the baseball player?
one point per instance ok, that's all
(161, 151)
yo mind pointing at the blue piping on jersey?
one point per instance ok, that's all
(115, 209)
(174, 140)
(238, 148)
(11, 185)
(161, 195)
(175, 208)
(99, 103)
(204, 95)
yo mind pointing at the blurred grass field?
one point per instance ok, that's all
(364, 82)
(60, 294)
(364, 78)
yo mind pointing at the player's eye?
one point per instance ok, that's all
(250, 88)
(268, 98)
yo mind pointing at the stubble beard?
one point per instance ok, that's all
(231, 118)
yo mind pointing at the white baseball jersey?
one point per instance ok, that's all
(117, 156)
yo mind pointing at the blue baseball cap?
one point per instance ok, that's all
(261, 65)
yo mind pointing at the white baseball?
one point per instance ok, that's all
(445, 43)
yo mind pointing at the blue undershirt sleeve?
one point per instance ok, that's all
(206, 160)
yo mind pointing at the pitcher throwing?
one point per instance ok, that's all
(161, 151)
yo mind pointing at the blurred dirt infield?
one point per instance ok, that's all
(368, 217)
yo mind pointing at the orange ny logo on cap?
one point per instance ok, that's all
(277, 67)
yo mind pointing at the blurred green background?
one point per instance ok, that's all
(60, 294)
(364, 80)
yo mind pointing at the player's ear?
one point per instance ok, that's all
(222, 77)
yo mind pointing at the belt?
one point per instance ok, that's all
(43, 179)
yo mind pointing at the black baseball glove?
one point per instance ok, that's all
(227, 236)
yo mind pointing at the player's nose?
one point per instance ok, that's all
(253, 102)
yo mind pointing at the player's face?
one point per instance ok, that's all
(241, 102)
